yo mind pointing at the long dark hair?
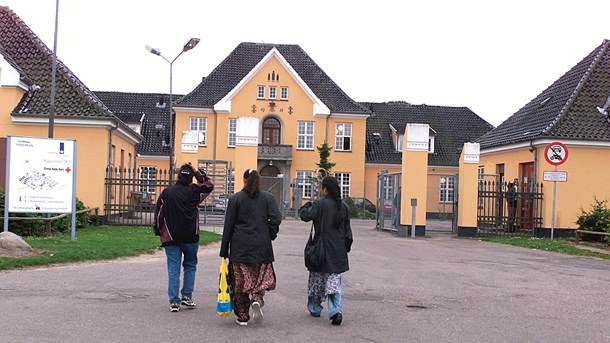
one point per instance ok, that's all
(251, 182)
(334, 192)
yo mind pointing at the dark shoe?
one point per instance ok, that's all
(317, 315)
(337, 319)
(174, 307)
(188, 302)
(240, 323)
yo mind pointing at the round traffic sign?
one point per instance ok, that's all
(556, 153)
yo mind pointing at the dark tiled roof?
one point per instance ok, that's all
(33, 59)
(566, 109)
(453, 126)
(247, 55)
(130, 107)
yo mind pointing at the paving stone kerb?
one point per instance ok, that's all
(433, 289)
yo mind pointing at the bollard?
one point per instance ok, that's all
(413, 214)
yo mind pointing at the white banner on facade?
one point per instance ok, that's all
(40, 175)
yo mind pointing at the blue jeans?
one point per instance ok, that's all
(174, 254)
(314, 304)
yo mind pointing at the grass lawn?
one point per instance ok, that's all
(565, 246)
(92, 243)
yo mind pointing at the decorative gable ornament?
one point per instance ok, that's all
(417, 137)
(471, 152)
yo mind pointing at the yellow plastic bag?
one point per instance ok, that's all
(224, 303)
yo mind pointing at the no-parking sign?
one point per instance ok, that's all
(556, 153)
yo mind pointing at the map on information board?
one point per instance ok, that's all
(40, 175)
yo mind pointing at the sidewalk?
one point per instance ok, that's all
(433, 289)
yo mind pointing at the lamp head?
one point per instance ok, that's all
(153, 50)
(190, 44)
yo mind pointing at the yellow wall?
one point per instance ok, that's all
(301, 106)
(586, 168)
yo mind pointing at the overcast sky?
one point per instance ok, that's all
(488, 57)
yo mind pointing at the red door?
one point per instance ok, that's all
(271, 131)
(526, 188)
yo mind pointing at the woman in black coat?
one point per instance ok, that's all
(331, 223)
(251, 222)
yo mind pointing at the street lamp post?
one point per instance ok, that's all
(187, 46)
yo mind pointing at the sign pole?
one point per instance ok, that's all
(553, 209)
(7, 178)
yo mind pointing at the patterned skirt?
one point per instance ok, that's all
(322, 284)
(252, 277)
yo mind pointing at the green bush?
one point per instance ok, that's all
(34, 227)
(357, 212)
(597, 219)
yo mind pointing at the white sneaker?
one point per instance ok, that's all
(257, 312)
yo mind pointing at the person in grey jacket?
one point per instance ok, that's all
(332, 224)
(252, 221)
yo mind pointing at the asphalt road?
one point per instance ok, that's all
(433, 289)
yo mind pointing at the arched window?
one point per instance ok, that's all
(271, 131)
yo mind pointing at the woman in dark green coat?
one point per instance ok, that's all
(331, 223)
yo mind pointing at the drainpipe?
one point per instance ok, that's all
(534, 150)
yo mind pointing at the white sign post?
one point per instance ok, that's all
(555, 153)
(40, 177)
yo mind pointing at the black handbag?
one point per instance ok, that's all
(314, 251)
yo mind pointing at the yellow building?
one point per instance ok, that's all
(103, 140)
(574, 112)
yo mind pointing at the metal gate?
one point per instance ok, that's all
(442, 201)
(275, 186)
(496, 218)
(131, 194)
(388, 201)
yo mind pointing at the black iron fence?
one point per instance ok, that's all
(131, 194)
(503, 211)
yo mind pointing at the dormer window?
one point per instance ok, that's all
(431, 144)
(399, 139)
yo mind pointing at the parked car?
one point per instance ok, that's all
(365, 204)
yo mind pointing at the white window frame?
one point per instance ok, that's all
(260, 92)
(272, 92)
(304, 183)
(342, 136)
(232, 132)
(431, 145)
(305, 134)
(199, 124)
(283, 93)
(344, 180)
(148, 176)
(446, 189)
(399, 139)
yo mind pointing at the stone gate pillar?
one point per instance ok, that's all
(468, 191)
(414, 178)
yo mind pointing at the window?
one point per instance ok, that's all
(272, 91)
(271, 131)
(232, 131)
(399, 139)
(148, 179)
(343, 137)
(201, 125)
(431, 145)
(304, 179)
(284, 93)
(261, 92)
(305, 135)
(446, 189)
(344, 180)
